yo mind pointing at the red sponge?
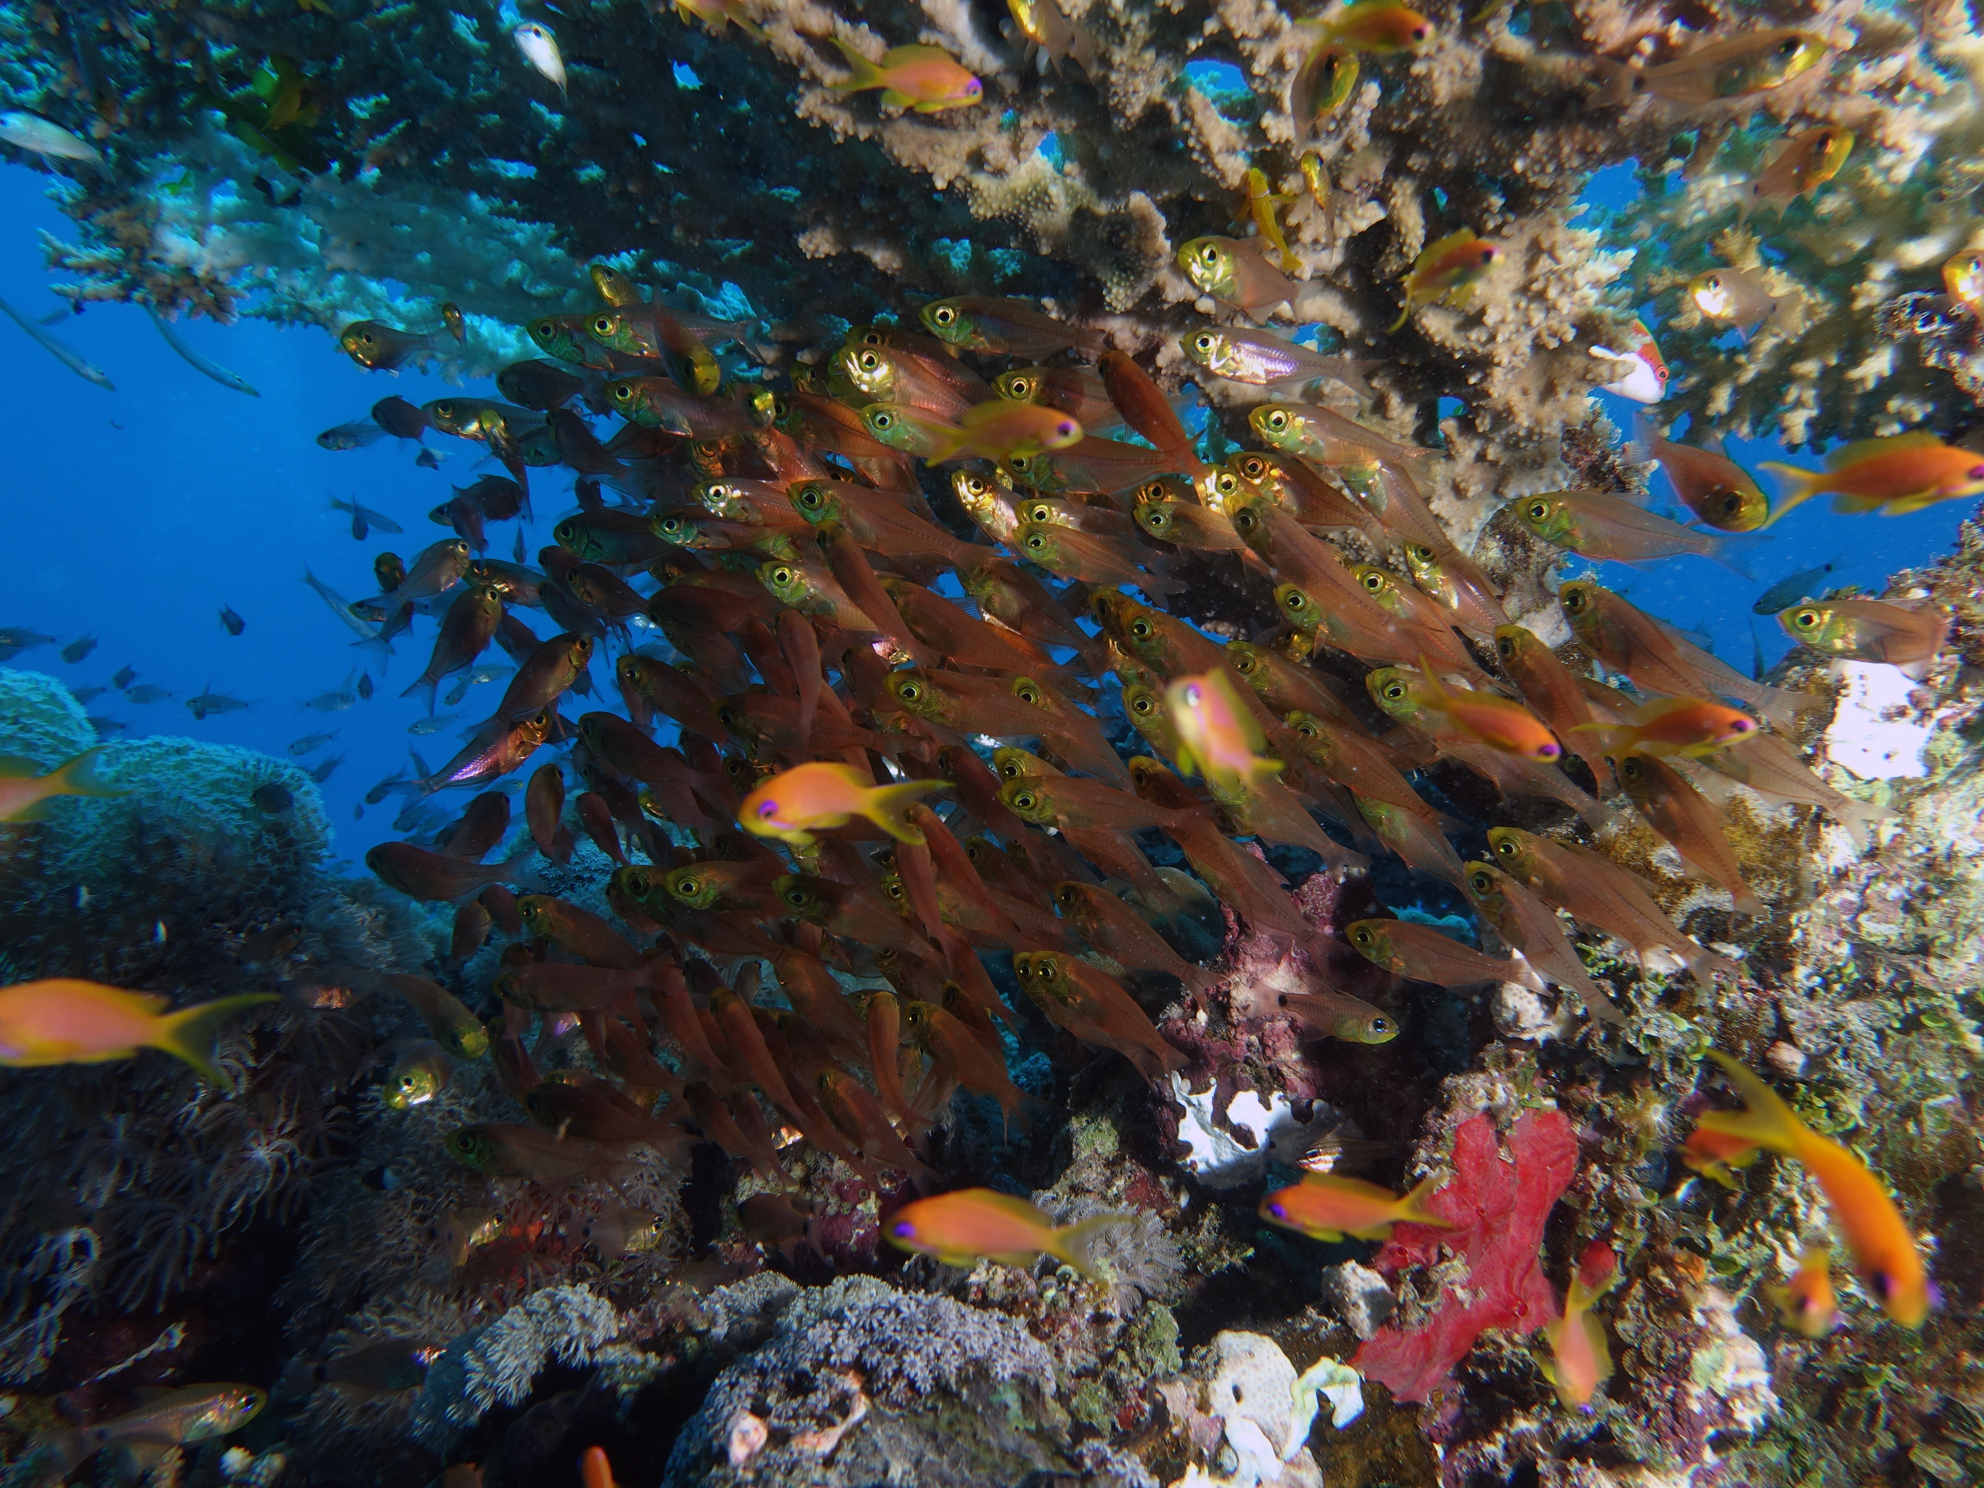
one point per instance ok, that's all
(1498, 1202)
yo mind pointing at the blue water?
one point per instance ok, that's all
(137, 514)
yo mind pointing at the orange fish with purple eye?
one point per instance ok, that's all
(1447, 270)
(1884, 1251)
(972, 1223)
(924, 78)
(1326, 1207)
(1688, 726)
(819, 796)
(1807, 1303)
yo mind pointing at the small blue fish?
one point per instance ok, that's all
(1787, 592)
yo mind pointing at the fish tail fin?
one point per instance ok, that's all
(1412, 1208)
(78, 777)
(862, 73)
(1404, 315)
(1800, 486)
(189, 1033)
(1764, 1120)
(53, 1455)
(1076, 1245)
(432, 684)
(887, 806)
(1737, 552)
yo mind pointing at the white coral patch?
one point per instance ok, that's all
(1876, 732)
(1217, 1159)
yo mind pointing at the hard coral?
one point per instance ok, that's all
(1498, 1202)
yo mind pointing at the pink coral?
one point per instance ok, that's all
(1497, 1203)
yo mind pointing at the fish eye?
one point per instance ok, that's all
(1209, 255)
(943, 315)
(1143, 705)
(1381, 1025)
(1277, 420)
(893, 888)
(1027, 694)
(810, 496)
(1504, 646)
(1805, 619)
(602, 325)
(1361, 937)
(1536, 511)
(1141, 628)
(1374, 582)
(797, 897)
(1204, 341)
(1574, 600)
(1025, 800)
(909, 692)
(883, 421)
(1277, 1209)
(620, 392)
(1394, 691)
(781, 576)
(1740, 725)
(1246, 520)
(1481, 883)
(1791, 46)
(545, 329)
(868, 361)
(903, 1229)
(1065, 428)
(1036, 542)
(1225, 483)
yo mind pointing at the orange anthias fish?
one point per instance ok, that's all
(958, 1228)
(1883, 1249)
(1807, 1303)
(1676, 725)
(1446, 270)
(1217, 735)
(925, 78)
(24, 794)
(820, 796)
(1580, 1359)
(1716, 1155)
(67, 1021)
(1895, 476)
(1326, 1207)
(1379, 27)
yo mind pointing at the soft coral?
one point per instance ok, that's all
(1497, 1205)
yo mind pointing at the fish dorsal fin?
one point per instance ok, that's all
(1450, 242)
(1013, 1207)
(897, 56)
(1866, 449)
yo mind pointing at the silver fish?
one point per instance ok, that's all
(67, 355)
(200, 363)
(32, 132)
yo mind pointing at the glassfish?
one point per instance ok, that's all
(990, 323)
(961, 1227)
(1532, 929)
(1324, 1206)
(1241, 354)
(950, 1042)
(65, 1020)
(1905, 635)
(1884, 1250)
(1710, 484)
(1496, 721)
(1233, 271)
(183, 1417)
(1808, 160)
(1729, 67)
(1595, 524)
(1422, 953)
(1338, 1015)
(1739, 298)
(1680, 815)
(1598, 891)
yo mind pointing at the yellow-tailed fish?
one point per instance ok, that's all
(959, 1228)
(1261, 202)
(1324, 1206)
(1896, 475)
(1447, 270)
(819, 796)
(927, 79)
(64, 1020)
